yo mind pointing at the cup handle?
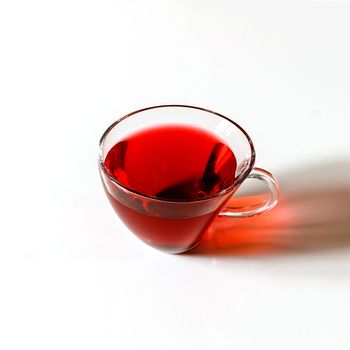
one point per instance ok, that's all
(259, 208)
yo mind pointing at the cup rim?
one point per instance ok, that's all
(227, 190)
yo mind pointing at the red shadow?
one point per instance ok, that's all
(308, 218)
(257, 235)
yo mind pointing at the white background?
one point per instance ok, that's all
(72, 276)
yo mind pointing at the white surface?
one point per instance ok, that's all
(72, 276)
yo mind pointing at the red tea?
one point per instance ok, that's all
(174, 167)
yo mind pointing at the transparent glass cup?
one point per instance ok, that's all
(176, 226)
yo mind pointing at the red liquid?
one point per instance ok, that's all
(175, 163)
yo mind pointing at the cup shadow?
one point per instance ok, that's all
(313, 215)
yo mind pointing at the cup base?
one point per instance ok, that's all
(177, 250)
